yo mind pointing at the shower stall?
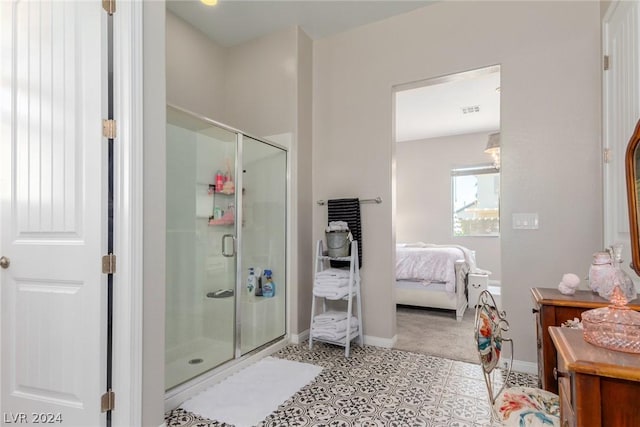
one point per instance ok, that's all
(225, 213)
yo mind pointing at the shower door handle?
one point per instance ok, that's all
(233, 246)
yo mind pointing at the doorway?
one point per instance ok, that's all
(447, 186)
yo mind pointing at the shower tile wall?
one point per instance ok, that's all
(263, 244)
(216, 272)
(197, 327)
(181, 296)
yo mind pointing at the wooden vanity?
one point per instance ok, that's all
(598, 387)
(553, 308)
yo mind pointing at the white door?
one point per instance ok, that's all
(621, 112)
(52, 154)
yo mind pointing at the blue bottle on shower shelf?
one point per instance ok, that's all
(268, 288)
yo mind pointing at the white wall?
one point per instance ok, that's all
(604, 6)
(302, 189)
(260, 84)
(550, 132)
(251, 86)
(423, 193)
(154, 215)
(195, 70)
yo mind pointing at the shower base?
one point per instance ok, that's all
(193, 358)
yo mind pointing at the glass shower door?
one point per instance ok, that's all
(264, 199)
(200, 240)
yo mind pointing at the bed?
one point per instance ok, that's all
(433, 276)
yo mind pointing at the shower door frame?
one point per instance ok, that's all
(239, 212)
(201, 379)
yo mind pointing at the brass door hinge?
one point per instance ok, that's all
(108, 401)
(109, 6)
(109, 264)
(109, 129)
(606, 62)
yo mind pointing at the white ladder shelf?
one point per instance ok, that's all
(321, 262)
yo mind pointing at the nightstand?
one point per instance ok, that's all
(476, 283)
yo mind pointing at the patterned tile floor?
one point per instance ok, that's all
(377, 387)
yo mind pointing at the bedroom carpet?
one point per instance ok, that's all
(436, 332)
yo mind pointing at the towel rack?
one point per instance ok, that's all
(377, 200)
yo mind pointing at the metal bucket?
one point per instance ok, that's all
(338, 243)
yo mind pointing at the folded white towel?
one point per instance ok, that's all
(337, 226)
(331, 278)
(332, 323)
(331, 333)
(331, 292)
(334, 336)
(339, 326)
(330, 316)
(316, 330)
(332, 283)
(333, 273)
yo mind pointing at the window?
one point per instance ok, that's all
(476, 201)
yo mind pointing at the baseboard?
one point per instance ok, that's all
(368, 340)
(526, 367)
(299, 338)
(380, 342)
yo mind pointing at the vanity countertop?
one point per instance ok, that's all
(588, 358)
(582, 298)
(598, 387)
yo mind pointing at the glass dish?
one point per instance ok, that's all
(616, 327)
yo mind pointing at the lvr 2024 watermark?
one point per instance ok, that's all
(31, 418)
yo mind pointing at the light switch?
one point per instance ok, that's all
(525, 221)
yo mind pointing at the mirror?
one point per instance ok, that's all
(632, 166)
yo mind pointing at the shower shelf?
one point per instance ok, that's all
(212, 190)
(220, 221)
(228, 217)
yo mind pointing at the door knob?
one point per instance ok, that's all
(5, 262)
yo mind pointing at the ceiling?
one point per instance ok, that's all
(426, 110)
(458, 104)
(231, 22)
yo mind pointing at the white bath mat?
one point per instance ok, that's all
(250, 395)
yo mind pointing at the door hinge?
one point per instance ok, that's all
(607, 155)
(606, 62)
(108, 401)
(109, 129)
(109, 264)
(109, 6)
